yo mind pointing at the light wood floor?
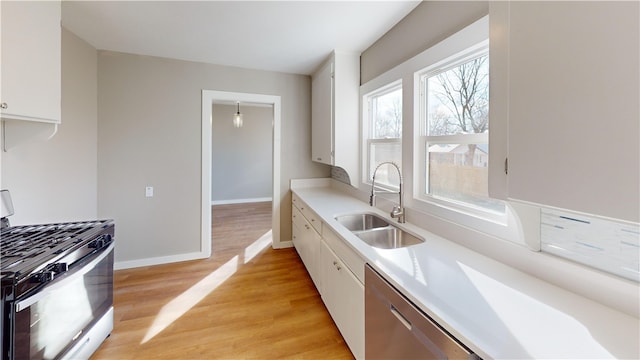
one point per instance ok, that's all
(239, 304)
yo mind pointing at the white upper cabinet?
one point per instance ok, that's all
(334, 112)
(31, 61)
(322, 117)
(567, 76)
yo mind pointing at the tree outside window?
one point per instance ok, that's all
(457, 125)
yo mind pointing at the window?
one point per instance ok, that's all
(446, 156)
(383, 133)
(454, 143)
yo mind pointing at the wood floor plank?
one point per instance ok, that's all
(266, 308)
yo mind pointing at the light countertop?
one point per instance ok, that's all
(497, 311)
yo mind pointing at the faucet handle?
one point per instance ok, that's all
(397, 212)
(372, 198)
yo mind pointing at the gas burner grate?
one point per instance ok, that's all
(22, 244)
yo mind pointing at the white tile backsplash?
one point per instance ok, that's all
(605, 244)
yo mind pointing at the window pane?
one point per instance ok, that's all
(460, 172)
(386, 112)
(458, 99)
(381, 152)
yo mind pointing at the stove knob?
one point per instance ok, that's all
(42, 277)
(59, 267)
(96, 244)
(101, 241)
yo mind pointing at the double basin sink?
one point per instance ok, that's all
(377, 231)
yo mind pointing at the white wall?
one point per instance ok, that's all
(55, 180)
(149, 130)
(241, 157)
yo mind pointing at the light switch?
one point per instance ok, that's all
(148, 191)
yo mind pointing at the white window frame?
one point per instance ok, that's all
(477, 35)
(367, 131)
(424, 140)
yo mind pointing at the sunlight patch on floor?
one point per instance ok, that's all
(257, 246)
(177, 307)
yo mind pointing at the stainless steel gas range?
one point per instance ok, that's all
(56, 289)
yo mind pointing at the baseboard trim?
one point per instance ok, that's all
(282, 244)
(120, 265)
(240, 201)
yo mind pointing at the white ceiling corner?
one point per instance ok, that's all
(284, 36)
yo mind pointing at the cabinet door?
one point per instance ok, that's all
(343, 296)
(297, 239)
(574, 106)
(311, 250)
(322, 115)
(31, 60)
(307, 243)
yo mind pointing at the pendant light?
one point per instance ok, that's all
(237, 117)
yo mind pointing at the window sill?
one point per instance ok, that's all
(506, 227)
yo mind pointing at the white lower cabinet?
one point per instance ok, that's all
(336, 270)
(307, 243)
(343, 295)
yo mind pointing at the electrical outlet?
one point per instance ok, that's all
(148, 191)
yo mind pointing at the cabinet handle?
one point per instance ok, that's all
(307, 226)
(319, 159)
(4, 105)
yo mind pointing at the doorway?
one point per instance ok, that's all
(209, 97)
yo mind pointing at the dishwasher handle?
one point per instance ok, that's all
(400, 317)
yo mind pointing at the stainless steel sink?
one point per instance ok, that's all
(377, 231)
(389, 237)
(359, 222)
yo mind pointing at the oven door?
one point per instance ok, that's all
(52, 321)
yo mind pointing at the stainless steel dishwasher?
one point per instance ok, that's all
(396, 329)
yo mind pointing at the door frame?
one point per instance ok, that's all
(208, 97)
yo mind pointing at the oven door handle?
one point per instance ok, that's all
(60, 282)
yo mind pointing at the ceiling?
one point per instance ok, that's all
(284, 36)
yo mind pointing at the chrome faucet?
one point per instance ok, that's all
(398, 210)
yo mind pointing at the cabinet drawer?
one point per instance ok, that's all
(314, 220)
(350, 258)
(295, 200)
(297, 219)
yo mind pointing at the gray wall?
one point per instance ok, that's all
(429, 23)
(55, 180)
(149, 112)
(241, 157)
